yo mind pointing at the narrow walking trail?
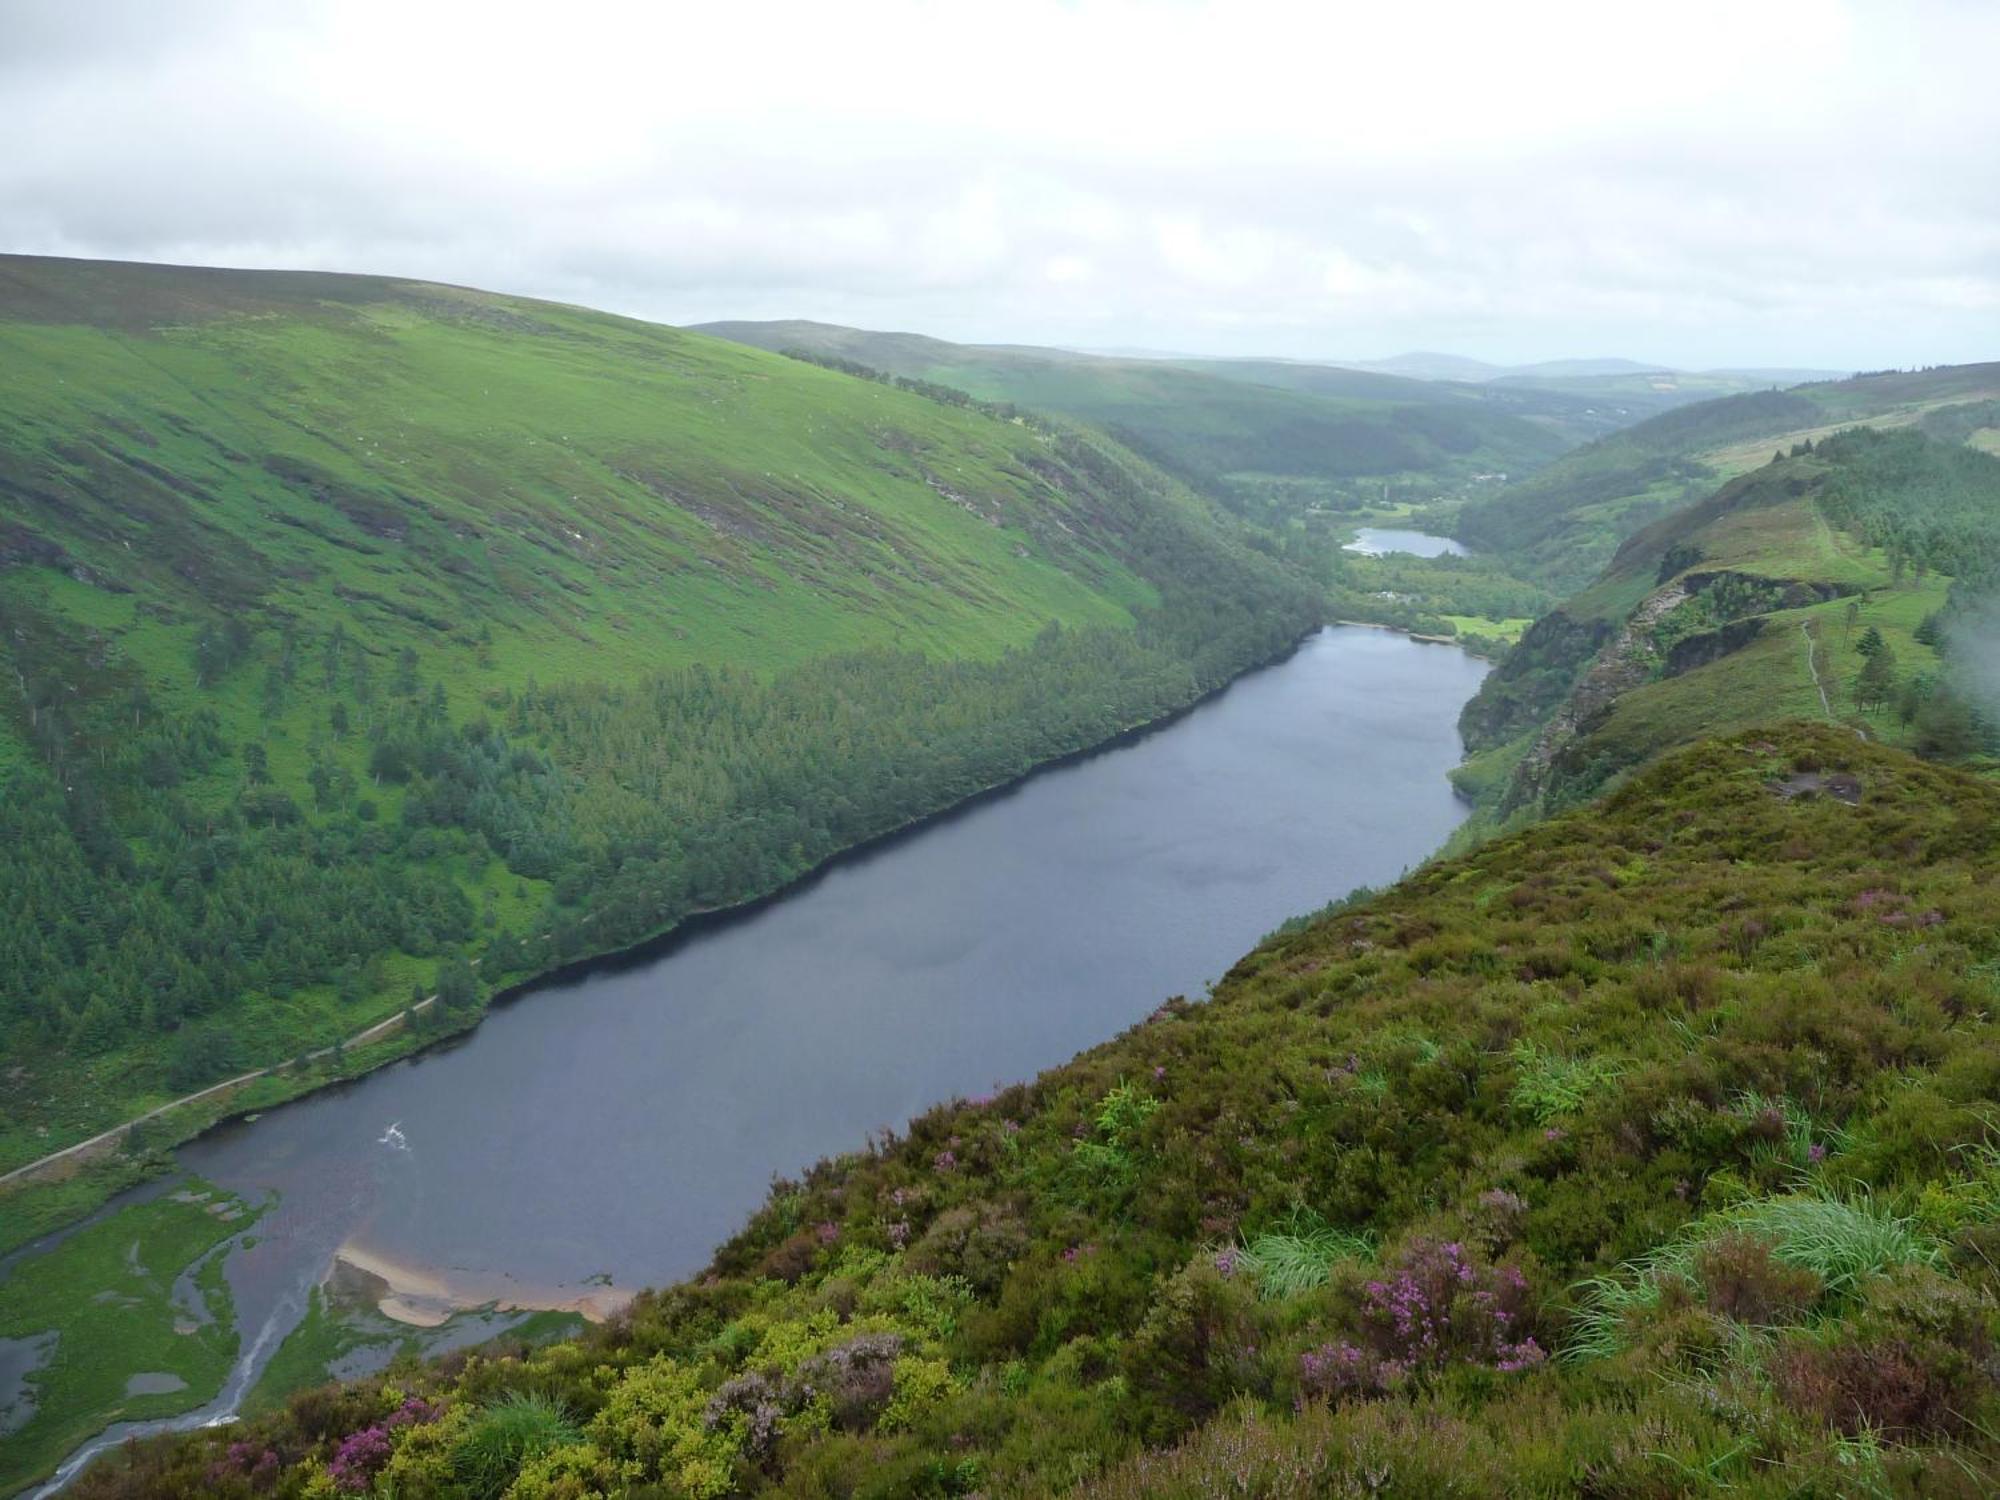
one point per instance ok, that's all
(1812, 666)
(105, 1139)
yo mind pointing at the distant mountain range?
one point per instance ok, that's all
(1426, 365)
(1266, 436)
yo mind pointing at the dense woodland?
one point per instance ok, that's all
(128, 909)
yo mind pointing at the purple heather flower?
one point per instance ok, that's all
(899, 1233)
(828, 1232)
(1815, 1152)
(945, 1161)
(359, 1459)
(415, 1412)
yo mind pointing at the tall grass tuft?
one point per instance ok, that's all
(1841, 1241)
(1298, 1258)
(506, 1434)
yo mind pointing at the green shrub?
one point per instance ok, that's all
(505, 1434)
(1548, 1086)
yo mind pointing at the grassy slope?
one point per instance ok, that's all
(1747, 1040)
(1827, 589)
(508, 491)
(1575, 419)
(604, 496)
(1562, 524)
(1218, 422)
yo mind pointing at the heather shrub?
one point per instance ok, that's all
(978, 1241)
(1199, 1344)
(854, 1380)
(1741, 1279)
(1438, 1305)
(1916, 1358)
(793, 1256)
(361, 1456)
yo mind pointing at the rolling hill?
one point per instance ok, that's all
(1270, 439)
(1770, 597)
(356, 629)
(1561, 525)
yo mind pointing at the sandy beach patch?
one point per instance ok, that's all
(425, 1296)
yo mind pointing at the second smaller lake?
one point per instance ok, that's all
(1378, 541)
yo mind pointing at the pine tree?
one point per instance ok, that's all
(1876, 683)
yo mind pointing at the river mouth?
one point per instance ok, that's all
(611, 1127)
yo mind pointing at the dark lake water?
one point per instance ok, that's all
(1378, 541)
(614, 1128)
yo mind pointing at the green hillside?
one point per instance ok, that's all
(357, 630)
(1573, 419)
(1562, 524)
(1270, 439)
(1772, 596)
(1648, 1152)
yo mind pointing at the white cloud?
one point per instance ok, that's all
(1769, 181)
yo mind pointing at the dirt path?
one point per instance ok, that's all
(83, 1150)
(1812, 666)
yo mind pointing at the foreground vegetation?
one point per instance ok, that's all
(1647, 1151)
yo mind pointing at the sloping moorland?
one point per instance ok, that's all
(1649, 1151)
(1839, 581)
(1561, 525)
(357, 629)
(1272, 440)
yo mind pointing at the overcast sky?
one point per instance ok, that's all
(1795, 182)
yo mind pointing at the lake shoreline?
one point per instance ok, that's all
(420, 1265)
(390, 1032)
